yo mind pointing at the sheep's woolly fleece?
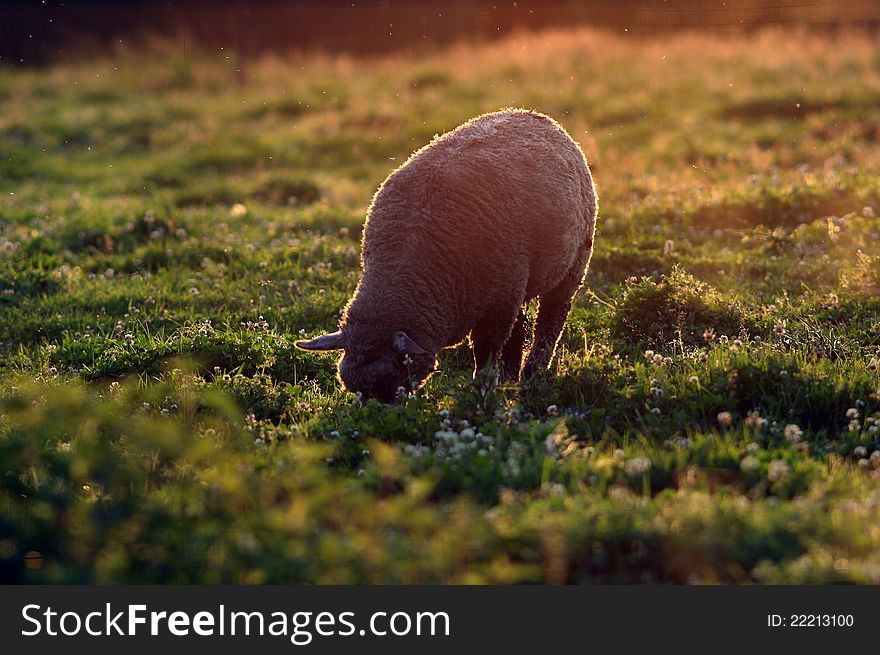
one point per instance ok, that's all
(473, 225)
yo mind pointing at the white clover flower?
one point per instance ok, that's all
(694, 379)
(637, 466)
(778, 470)
(753, 419)
(749, 464)
(725, 419)
(753, 448)
(860, 452)
(416, 450)
(552, 410)
(656, 411)
(446, 435)
(852, 413)
(556, 489)
(793, 432)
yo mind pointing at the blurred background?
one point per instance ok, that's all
(34, 32)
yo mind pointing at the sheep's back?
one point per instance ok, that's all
(504, 200)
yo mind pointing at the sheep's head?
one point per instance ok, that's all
(377, 367)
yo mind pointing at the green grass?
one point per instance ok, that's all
(168, 229)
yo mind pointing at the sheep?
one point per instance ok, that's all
(474, 225)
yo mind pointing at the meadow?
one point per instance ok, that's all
(171, 222)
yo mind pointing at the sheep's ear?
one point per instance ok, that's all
(331, 341)
(406, 346)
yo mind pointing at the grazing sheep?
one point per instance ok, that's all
(478, 222)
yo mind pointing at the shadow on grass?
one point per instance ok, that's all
(793, 106)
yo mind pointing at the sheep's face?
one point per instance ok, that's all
(379, 369)
(384, 375)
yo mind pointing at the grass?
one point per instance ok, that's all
(168, 228)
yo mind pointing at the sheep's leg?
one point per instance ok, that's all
(490, 336)
(512, 353)
(552, 312)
